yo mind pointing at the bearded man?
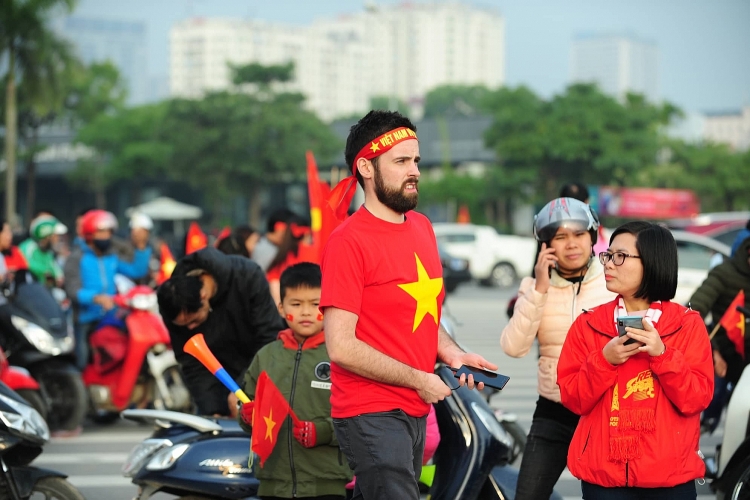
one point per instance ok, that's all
(382, 292)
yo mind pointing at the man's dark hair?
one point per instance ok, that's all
(372, 125)
(575, 190)
(658, 251)
(302, 275)
(180, 293)
(281, 215)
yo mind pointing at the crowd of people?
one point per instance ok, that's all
(352, 341)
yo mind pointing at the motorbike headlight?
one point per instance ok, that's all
(26, 421)
(140, 453)
(491, 423)
(144, 302)
(165, 458)
(41, 338)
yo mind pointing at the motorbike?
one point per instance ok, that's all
(39, 337)
(729, 472)
(132, 359)
(20, 380)
(209, 458)
(23, 433)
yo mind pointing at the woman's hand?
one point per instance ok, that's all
(649, 337)
(544, 262)
(720, 366)
(616, 352)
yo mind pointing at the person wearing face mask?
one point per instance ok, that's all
(90, 276)
(39, 250)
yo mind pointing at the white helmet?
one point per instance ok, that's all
(141, 220)
(565, 212)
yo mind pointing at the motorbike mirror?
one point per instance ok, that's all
(123, 284)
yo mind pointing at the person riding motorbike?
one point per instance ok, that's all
(39, 250)
(90, 275)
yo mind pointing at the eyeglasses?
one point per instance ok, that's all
(617, 258)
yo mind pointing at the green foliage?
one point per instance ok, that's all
(388, 103)
(456, 100)
(261, 75)
(95, 90)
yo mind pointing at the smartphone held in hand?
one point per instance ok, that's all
(490, 379)
(632, 322)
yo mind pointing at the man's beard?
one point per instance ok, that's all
(395, 199)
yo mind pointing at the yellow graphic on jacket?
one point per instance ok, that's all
(615, 400)
(425, 291)
(641, 386)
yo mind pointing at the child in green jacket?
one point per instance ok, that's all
(306, 461)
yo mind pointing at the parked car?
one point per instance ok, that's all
(696, 255)
(494, 259)
(455, 270)
(722, 226)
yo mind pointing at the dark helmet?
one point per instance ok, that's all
(565, 212)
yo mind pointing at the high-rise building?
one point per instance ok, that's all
(122, 43)
(729, 127)
(617, 63)
(400, 51)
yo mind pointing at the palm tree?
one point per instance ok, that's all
(34, 54)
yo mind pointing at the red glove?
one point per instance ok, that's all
(246, 412)
(304, 432)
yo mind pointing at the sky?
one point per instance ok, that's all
(704, 45)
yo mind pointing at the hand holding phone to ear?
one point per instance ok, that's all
(544, 264)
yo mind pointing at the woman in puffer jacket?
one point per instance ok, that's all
(568, 279)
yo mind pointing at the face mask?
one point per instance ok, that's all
(102, 245)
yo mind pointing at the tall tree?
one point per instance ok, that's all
(457, 100)
(27, 45)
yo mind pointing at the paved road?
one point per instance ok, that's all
(93, 460)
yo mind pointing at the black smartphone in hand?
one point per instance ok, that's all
(490, 379)
(632, 322)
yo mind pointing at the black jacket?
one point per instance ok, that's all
(714, 296)
(242, 320)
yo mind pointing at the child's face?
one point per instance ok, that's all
(300, 310)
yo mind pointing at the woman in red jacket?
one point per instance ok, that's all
(640, 403)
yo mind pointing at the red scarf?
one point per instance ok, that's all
(634, 397)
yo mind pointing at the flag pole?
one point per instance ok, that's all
(713, 332)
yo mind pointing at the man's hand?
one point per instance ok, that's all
(470, 359)
(105, 301)
(232, 400)
(720, 366)
(246, 412)
(304, 432)
(433, 389)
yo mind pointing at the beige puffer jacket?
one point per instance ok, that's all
(549, 316)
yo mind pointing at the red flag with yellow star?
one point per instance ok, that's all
(271, 409)
(166, 266)
(196, 239)
(733, 322)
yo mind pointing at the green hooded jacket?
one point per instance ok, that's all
(302, 372)
(42, 264)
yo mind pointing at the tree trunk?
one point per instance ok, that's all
(31, 176)
(11, 121)
(100, 192)
(254, 206)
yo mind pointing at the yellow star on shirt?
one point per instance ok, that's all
(270, 424)
(425, 291)
(375, 147)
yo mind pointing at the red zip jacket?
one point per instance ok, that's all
(686, 376)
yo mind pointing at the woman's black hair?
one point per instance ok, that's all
(289, 242)
(658, 251)
(234, 244)
(575, 190)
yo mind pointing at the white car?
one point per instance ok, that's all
(494, 259)
(696, 255)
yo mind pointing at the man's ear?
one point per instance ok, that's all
(365, 168)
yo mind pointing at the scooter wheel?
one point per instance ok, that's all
(68, 399)
(56, 488)
(519, 439)
(737, 483)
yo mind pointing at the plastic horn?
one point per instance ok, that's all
(196, 347)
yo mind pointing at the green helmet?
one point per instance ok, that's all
(43, 227)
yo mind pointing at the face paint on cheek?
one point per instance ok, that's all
(320, 316)
(289, 317)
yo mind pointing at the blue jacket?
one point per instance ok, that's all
(93, 275)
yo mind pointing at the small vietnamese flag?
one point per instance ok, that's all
(166, 266)
(271, 409)
(733, 322)
(196, 239)
(225, 233)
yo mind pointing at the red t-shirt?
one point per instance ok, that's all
(389, 275)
